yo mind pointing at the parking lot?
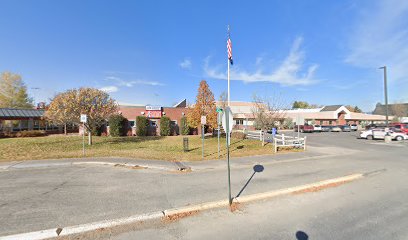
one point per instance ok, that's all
(46, 196)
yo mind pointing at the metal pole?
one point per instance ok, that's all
(228, 71)
(386, 95)
(218, 141)
(228, 155)
(83, 139)
(202, 136)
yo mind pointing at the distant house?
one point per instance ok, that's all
(327, 115)
(15, 120)
(399, 110)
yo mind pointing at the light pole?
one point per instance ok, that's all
(385, 94)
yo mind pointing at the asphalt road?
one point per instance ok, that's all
(56, 196)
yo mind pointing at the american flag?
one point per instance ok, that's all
(229, 48)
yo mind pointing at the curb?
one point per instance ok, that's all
(265, 195)
(53, 233)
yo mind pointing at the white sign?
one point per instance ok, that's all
(230, 119)
(83, 118)
(203, 120)
(153, 108)
(300, 120)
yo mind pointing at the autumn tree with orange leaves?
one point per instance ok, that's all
(68, 106)
(204, 106)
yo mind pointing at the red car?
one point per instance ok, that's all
(304, 128)
(401, 126)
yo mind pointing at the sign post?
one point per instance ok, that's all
(83, 121)
(299, 119)
(227, 125)
(203, 122)
(219, 122)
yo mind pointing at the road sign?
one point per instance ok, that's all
(219, 118)
(203, 120)
(230, 120)
(83, 118)
(300, 120)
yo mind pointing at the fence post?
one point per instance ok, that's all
(304, 143)
(283, 139)
(275, 146)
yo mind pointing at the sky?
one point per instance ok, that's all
(157, 52)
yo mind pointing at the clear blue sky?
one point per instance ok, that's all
(156, 52)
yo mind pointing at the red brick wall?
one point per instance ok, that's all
(175, 114)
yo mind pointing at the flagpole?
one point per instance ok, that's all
(228, 71)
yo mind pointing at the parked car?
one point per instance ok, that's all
(371, 126)
(304, 128)
(345, 128)
(379, 133)
(402, 126)
(326, 128)
(317, 128)
(353, 127)
(336, 129)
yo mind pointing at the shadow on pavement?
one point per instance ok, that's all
(300, 235)
(257, 168)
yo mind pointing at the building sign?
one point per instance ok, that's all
(153, 108)
(154, 114)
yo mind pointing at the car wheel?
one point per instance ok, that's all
(399, 138)
(369, 137)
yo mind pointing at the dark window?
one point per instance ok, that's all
(132, 123)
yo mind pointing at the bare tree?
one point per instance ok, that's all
(222, 100)
(269, 112)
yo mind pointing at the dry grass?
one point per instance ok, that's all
(163, 148)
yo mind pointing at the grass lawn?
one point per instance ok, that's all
(164, 148)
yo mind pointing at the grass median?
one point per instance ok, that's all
(162, 148)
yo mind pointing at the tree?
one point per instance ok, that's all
(141, 125)
(357, 110)
(353, 109)
(118, 125)
(399, 110)
(184, 129)
(96, 104)
(13, 92)
(268, 112)
(61, 110)
(300, 104)
(204, 106)
(164, 126)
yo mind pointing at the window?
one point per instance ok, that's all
(173, 123)
(131, 123)
(239, 122)
(330, 122)
(153, 123)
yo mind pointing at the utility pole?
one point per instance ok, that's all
(385, 94)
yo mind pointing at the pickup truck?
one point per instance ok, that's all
(304, 128)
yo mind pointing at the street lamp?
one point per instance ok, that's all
(385, 94)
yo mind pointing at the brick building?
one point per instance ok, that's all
(154, 113)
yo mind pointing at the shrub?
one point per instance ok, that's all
(118, 125)
(32, 133)
(184, 129)
(164, 126)
(238, 135)
(141, 125)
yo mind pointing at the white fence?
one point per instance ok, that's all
(288, 141)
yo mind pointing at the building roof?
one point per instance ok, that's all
(331, 108)
(393, 109)
(18, 113)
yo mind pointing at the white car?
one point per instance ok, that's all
(380, 134)
(336, 129)
(317, 128)
(353, 127)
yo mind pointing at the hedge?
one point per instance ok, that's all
(164, 126)
(184, 129)
(141, 125)
(118, 125)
